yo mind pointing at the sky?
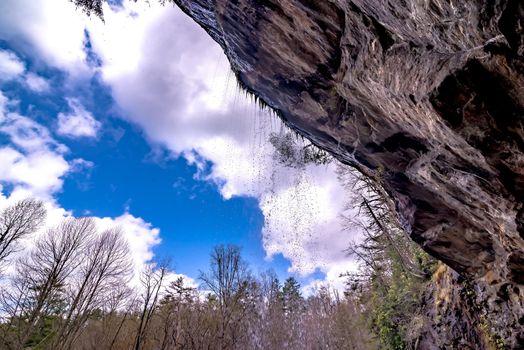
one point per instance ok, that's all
(138, 122)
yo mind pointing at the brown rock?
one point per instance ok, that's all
(426, 96)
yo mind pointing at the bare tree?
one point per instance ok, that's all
(42, 275)
(105, 265)
(151, 282)
(229, 280)
(16, 222)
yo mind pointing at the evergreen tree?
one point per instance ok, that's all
(292, 299)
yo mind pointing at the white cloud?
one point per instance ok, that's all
(335, 278)
(42, 172)
(11, 66)
(188, 281)
(54, 29)
(37, 83)
(3, 105)
(28, 134)
(33, 160)
(80, 164)
(78, 123)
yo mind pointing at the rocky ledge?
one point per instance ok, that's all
(426, 96)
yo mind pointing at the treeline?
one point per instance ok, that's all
(232, 310)
(50, 292)
(74, 288)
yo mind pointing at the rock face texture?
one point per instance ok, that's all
(427, 96)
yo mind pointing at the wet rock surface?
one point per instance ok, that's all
(427, 96)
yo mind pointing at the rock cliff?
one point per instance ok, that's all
(427, 96)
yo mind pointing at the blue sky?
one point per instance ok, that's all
(138, 122)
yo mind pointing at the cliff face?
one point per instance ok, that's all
(425, 95)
